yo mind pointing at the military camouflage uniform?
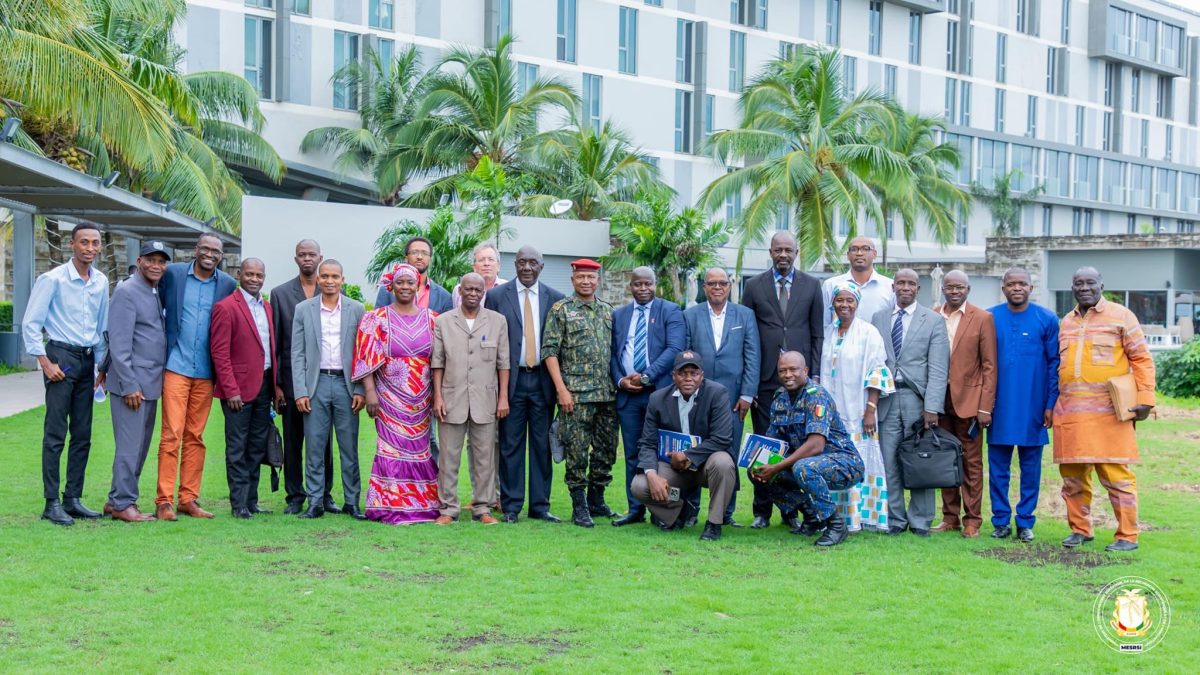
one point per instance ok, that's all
(839, 467)
(580, 334)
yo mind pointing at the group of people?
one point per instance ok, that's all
(841, 370)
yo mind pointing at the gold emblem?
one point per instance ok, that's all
(1131, 613)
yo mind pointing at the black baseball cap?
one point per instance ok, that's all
(155, 246)
(687, 357)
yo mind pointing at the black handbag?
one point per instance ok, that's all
(930, 458)
(274, 456)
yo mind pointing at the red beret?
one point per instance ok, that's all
(585, 264)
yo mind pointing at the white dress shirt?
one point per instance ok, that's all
(877, 294)
(331, 336)
(259, 312)
(532, 293)
(718, 323)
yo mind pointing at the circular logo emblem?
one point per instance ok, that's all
(1131, 614)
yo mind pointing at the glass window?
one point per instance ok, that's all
(1171, 50)
(952, 46)
(627, 41)
(849, 76)
(1150, 307)
(760, 16)
(387, 52)
(992, 161)
(1131, 224)
(709, 115)
(262, 4)
(1120, 30)
(951, 110)
(379, 13)
(1106, 128)
(1114, 182)
(833, 22)
(963, 143)
(961, 232)
(1031, 116)
(1001, 57)
(914, 38)
(1135, 90)
(1000, 102)
(1065, 35)
(1165, 189)
(1081, 222)
(889, 80)
(683, 121)
(1058, 173)
(1080, 129)
(258, 55)
(654, 3)
(683, 51)
(591, 101)
(527, 74)
(964, 103)
(1169, 143)
(1087, 177)
(1110, 75)
(1024, 162)
(1147, 38)
(875, 27)
(345, 50)
(566, 27)
(504, 26)
(1047, 220)
(737, 61)
(1139, 180)
(1165, 101)
(733, 205)
(748, 13)
(1055, 57)
(1145, 138)
(302, 7)
(787, 50)
(1189, 193)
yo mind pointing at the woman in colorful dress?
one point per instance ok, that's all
(391, 357)
(854, 371)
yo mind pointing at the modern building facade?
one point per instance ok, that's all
(1095, 99)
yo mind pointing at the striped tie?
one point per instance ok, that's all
(898, 333)
(639, 341)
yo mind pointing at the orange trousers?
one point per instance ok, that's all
(1118, 480)
(186, 403)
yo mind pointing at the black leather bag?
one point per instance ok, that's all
(274, 456)
(930, 458)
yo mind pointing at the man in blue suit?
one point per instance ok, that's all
(647, 334)
(725, 335)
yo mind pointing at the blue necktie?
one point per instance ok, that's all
(898, 333)
(639, 341)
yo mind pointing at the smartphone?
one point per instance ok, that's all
(673, 495)
(973, 430)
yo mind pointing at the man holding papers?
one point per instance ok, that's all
(691, 407)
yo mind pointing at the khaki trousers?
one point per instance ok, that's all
(718, 474)
(481, 440)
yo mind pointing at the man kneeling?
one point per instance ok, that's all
(693, 407)
(821, 457)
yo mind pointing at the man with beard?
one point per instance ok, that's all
(418, 252)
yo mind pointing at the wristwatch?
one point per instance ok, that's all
(645, 380)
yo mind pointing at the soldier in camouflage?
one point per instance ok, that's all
(576, 345)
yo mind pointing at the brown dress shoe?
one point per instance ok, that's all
(193, 509)
(444, 520)
(947, 527)
(108, 508)
(487, 519)
(164, 512)
(131, 515)
(970, 531)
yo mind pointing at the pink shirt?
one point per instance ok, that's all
(331, 336)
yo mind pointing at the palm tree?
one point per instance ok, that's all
(392, 93)
(489, 194)
(473, 107)
(599, 171)
(453, 240)
(803, 147)
(925, 188)
(1005, 203)
(676, 245)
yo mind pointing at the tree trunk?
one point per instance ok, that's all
(883, 238)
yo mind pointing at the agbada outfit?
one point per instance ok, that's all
(1093, 348)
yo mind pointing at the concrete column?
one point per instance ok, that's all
(23, 261)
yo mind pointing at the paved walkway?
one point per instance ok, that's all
(21, 392)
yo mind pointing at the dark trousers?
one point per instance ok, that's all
(631, 418)
(68, 407)
(293, 451)
(760, 419)
(246, 434)
(999, 474)
(693, 495)
(527, 425)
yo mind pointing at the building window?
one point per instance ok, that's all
(1139, 179)
(1001, 58)
(964, 103)
(527, 74)
(1131, 224)
(654, 3)
(258, 55)
(1169, 143)
(684, 33)
(1189, 193)
(1165, 102)
(1000, 110)
(591, 101)
(748, 13)
(566, 26)
(992, 161)
(1081, 222)
(1087, 177)
(1135, 90)
(1165, 189)
(261, 4)
(952, 46)
(889, 80)
(1158, 225)
(302, 7)
(710, 103)
(1110, 75)
(963, 143)
(1120, 30)
(1171, 50)
(1031, 116)
(1107, 129)
(737, 61)
(627, 41)
(1055, 84)
(1080, 128)
(1024, 162)
(387, 52)
(1065, 37)
(345, 50)
(683, 121)
(1047, 220)
(1027, 17)
(951, 110)
(733, 205)
(1114, 182)
(849, 76)
(1058, 173)
(379, 14)
(1187, 227)
(914, 38)
(787, 50)
(833, 22)
(1146, 39)
(1145, 138)
(875, 27)
(961, 232)
(504, 25)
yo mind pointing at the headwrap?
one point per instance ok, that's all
(398, 270)
(844, 285)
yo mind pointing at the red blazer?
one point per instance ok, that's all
(973, 363)
(237, 350)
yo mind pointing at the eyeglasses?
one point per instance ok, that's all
(209, 252)
(861, 249)
(716, 284)
(420, 254)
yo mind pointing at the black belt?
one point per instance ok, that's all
(330, 371)
(903, 384)
(82, 351)
(529, 369)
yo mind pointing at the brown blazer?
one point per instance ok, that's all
(471, 359)
(973, 363)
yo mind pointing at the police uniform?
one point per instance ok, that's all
(579, 334)
(839, 467)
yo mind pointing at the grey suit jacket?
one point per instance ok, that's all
(137, 340)
(306, 345)
(924, 359)
(736, 364)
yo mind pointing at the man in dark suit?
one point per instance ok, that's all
(243, 354)
(647, 334)
(694, 407)
(284, 299)
(418, 252)
(524, 304)
(790, 313)
(135, 326)
(725, 335)
(189, 292)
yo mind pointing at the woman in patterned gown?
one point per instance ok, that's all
(391, 357)
(854, 371)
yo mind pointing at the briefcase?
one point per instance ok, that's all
(930, 458)
(274, 456)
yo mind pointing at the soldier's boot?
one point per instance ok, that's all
(810, 526)
(579, 510)
(835, 531)
(596, 505)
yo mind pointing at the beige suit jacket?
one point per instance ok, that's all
(470, 358)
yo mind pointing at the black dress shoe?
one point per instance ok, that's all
(712, 532)
(313, 512)
(729, 521)
(759, 523)
(1121, 545)
(791, 523)
(919, 532)
(687, 514)
(510, 518)
(1075, 539)
(547, 516)
(258, 509)
(54, 513)
(243, 513)
(293, 508)
(330, 506)
(835, 531)
(690, 522)
(1025, 534)
(896, 530)
(1001, 532)
(637, 515)
(74, 507)
(353, 511)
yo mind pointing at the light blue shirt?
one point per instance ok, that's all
(69, 309)
(627, 352)
(190, 357)
(259, 312)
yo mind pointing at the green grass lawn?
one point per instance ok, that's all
(283, 594)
